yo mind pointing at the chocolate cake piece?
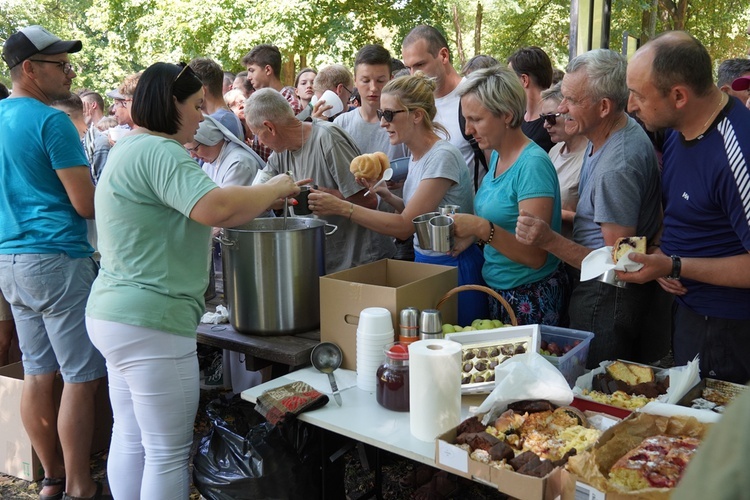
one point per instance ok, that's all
(471, 424)
(483, 441)
(521, 460)
(501, 451)
(531, 406)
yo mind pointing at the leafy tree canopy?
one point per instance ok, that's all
(124, 36)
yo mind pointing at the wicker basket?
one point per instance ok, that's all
(480, 288)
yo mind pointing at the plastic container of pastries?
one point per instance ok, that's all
(478, 362)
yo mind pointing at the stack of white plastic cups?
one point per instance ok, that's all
(374, 332)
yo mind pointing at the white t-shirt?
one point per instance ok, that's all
(447, 116)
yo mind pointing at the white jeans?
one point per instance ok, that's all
(154, 390)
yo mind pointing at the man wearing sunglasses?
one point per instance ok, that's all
(46, 268)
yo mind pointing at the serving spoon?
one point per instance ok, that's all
(387, 174)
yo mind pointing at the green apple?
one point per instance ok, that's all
(475, 324)
(458, 328)
(486, 324)
(469, 329)
(496, 323)
(448, 329)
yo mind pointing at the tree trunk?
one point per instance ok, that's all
(676, 11)
(459, 43)
(287, 70)
(478, 30)
(679, 18)
(302, 61)
(648, 22)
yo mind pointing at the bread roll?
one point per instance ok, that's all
(369, 166)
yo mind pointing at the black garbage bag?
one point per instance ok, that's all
(244, 457)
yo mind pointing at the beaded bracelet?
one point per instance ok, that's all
(492, 233)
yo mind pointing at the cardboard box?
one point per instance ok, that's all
(392, 284)
(17, 457)
(456, 460)
(578, 488)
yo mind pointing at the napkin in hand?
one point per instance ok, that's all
(294, 398)
(600, 261)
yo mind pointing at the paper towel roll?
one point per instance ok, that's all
(435, 387)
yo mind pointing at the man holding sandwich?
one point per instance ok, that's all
(619, 197)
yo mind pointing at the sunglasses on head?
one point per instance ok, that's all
(388, 114)
(550, 118)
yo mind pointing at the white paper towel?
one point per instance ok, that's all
(600, 261)
(434, 387)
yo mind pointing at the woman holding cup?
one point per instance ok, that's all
(437, 176)
(521, 178)
(155, 209)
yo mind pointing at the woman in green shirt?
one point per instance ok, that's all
(155, 209)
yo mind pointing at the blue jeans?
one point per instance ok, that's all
(622, 320)
(48, 294)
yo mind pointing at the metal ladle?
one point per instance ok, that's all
(326, 357)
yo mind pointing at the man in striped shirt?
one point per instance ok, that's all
(704, 257)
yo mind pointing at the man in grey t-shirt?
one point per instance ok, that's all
(619, 197)
(322, 152)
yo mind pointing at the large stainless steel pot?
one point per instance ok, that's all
(271, 274)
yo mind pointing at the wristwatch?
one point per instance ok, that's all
(676, 267)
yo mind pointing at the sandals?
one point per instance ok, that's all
(53, 481)
(97, 495)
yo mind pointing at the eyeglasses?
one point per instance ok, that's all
(550, 118)
(122, 103)
(66, 67)
(388, 114)
(195, 148)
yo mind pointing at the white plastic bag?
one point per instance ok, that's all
(522, 377)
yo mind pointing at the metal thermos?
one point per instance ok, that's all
(430, 325)
(408, 325)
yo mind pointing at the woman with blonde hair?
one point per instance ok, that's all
(437, 176)
(521, 178)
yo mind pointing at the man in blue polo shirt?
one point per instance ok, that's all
(46, 270)
(704, 258)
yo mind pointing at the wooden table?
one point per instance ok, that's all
(284, 353)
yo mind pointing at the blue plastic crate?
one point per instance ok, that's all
(573, 363)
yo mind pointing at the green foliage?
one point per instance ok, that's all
(124, 36)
